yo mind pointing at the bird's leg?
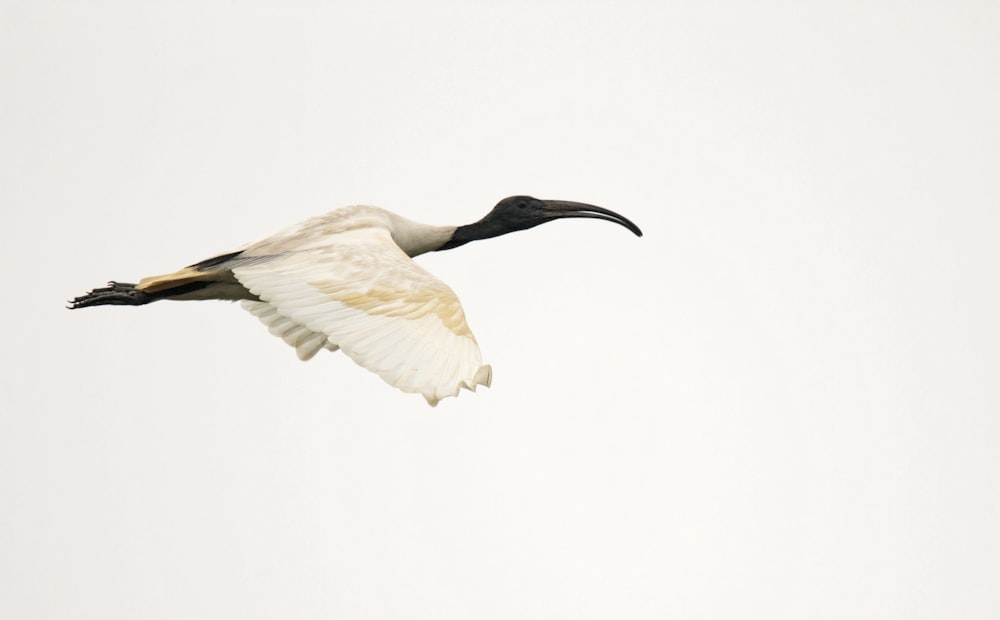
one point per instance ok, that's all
(115, 294)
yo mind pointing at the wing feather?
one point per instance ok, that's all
(361, 293)
(307, 343)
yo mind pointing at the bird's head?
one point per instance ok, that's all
(523, 212)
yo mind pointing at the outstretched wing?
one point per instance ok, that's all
(383, 310)
(307, 343)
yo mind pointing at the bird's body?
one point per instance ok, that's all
(346, 280)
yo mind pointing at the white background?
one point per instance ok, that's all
(782, 402)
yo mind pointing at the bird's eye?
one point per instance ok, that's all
(522, 205)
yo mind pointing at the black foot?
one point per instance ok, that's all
(114, 294)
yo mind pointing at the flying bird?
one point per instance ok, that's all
(345, 280)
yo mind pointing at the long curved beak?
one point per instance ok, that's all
(557, 209)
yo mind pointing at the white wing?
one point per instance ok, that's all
(307, 343)
(362, 293)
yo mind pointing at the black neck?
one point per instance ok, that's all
(483, 229)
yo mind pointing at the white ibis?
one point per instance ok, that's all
(345, 281)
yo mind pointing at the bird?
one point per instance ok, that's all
(346, 280)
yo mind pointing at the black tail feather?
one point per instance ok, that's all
(211, 263)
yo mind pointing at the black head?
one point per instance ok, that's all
(523, 212)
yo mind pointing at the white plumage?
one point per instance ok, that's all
(346, 280)
(342, 281)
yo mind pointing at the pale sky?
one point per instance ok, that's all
(781, 402)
